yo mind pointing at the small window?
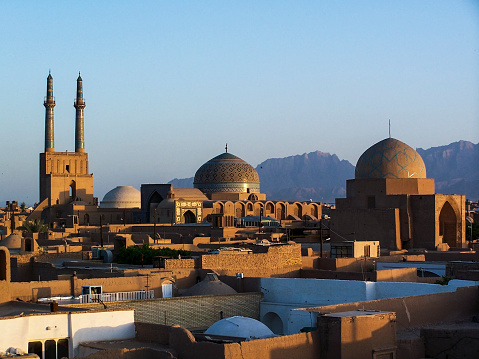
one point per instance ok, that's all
(367, 251)
(67, 167)
(371, 202)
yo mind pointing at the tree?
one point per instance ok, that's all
(35, 226)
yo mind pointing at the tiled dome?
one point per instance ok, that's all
(226, 173)
(390, 158)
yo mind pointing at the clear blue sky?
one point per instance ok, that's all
(168, 83)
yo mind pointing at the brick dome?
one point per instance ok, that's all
(390, 158)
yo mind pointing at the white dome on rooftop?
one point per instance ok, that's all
(122, 197)
(241, 327)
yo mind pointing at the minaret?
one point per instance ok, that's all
(49, 104)
(79, 104)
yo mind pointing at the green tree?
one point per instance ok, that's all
(35, 226)
(134, 254)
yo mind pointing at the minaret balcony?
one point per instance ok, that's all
(49, 100)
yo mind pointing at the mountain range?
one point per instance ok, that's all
(321, 177)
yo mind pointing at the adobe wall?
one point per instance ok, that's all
(351, 336)
(451, 341)
(302, 345)
(452, 256)
(396, 275)
(385, 275)
(347, 264)
(417, 310)
(278, 259)
(42, 289)
(367, 224)
(4, 274)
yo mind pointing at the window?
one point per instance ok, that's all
(341, 251)
(367, 251)
(371, 202)
(67, 167)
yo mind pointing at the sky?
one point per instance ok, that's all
(168, 83)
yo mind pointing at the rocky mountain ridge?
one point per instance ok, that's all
(321, 176)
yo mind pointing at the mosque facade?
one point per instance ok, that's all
(390, 199)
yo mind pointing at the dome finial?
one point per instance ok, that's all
(226, 148)
(389, 128)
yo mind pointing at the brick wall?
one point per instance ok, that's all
(189, 312)
(278, 259)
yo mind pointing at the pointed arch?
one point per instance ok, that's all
(153, 202)
(189, 217)
(448, 224)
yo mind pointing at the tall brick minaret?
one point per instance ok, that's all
(79, 104)
(49, 104)
(64, 176)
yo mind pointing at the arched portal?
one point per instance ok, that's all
(448, 225)
(273, 322)
(189, 217)
(153, 202)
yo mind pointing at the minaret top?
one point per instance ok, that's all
(79, 98)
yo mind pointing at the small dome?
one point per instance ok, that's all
(390, 158)
(122, 197)
(240, 327)
(226, 173)
(12, 242)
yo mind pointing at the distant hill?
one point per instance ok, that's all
(322, 177)
(317, 175)
(455, 168)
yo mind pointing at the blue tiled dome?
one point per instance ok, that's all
(226, 173)
(390, 158)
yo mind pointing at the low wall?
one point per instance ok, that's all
(72, 287)
(410, 311)
(303, 345)
(452, 256)
(386, 275)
